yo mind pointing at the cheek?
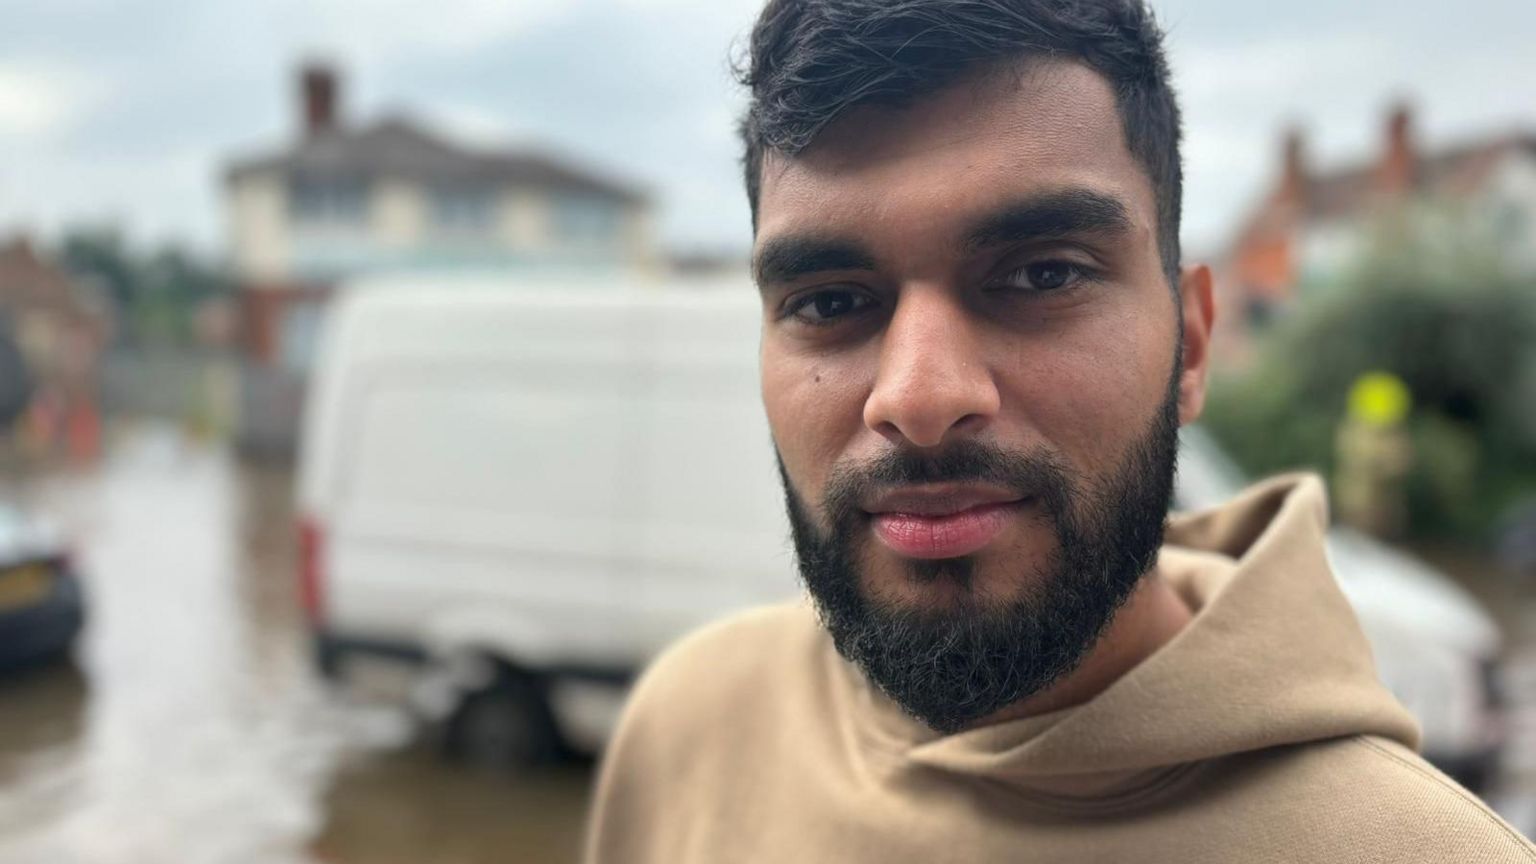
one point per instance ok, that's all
(1091, 392)
(814, 407)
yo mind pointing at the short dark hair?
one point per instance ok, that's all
(811, 60)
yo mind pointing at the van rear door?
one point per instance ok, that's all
(708, 534)
(475, 502)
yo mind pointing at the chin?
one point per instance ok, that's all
(974, 583)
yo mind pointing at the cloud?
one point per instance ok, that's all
(393, 30)
(474, 125)
(40, 99)
(641, 88)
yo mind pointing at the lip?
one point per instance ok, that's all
(942, 521)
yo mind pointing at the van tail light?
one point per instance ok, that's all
(312, 570)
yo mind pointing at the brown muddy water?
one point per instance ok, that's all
(189, 727)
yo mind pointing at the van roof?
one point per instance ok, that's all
(574, 289)
(406, 317)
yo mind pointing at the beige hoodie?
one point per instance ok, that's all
(1258, 734)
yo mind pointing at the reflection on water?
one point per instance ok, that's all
(41, 711)
(194, 730)
(202, 738)
(41, 716)
(379, 814)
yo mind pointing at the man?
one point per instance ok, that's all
(978, 344)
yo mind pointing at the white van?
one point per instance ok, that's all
(558, 481)
(530, 493)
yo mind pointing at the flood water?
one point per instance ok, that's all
(190, 727)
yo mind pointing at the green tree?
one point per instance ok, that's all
(154, 295)
(100, 253)
(1453, 323)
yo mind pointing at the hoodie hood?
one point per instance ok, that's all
(1273, 656)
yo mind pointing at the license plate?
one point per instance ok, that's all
(24, 586)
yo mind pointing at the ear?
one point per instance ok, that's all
(1199, 310)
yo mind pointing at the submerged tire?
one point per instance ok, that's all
(506, 724)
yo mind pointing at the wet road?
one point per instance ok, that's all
(189, 726)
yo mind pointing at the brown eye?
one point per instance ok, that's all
(825, 306)
(1046, 276)
(1050, 275)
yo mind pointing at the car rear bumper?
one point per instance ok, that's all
(332, 652)
(34, 633)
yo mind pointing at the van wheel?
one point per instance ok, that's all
(505, 725)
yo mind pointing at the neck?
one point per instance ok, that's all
(1150, 618)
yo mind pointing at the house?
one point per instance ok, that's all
(345, 200)
(59, 336)
(1312, 224)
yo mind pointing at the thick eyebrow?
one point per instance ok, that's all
(1058, 214)
(784, 259)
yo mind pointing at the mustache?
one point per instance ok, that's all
(1037, 473)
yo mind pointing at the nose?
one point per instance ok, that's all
(933, 380)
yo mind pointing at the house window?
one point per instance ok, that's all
(464, 209)
(330, 202)
(587, 221)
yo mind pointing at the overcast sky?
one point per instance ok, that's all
(126, 110)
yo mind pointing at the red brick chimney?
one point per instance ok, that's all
(1399, 164)
(318, 94)
(1293, 171)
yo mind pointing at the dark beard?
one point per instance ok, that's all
(949, 668)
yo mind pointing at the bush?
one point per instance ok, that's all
(1458, 329)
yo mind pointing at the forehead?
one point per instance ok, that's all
(988, 140)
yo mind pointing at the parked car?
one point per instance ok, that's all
(41, 605)
(514, 497)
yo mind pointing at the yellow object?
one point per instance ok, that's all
(24, 586)
(1379, 399)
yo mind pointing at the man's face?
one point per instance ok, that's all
(971, 368)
